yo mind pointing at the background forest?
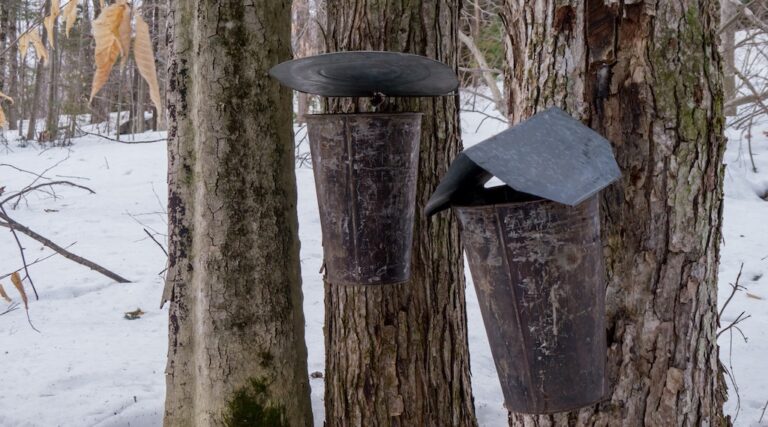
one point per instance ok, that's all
(83, 204)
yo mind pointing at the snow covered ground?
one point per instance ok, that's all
(90, 366)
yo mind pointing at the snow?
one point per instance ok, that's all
(90, 366)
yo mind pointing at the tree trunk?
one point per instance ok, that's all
(728, 38)
(647, 75)
(397, 354)
(52, 119)
(236, 352)
(34, 102)
(301, 35)
(13, 68)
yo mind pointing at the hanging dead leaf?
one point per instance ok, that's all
(33, 38)
(4, 96)
(106, 33)
(16, 280)
(145, 60)
(101, 4)
(70, 15)
(23, 46)
(124, 34)
(48, 23)
(753, 296)
(3, 120)
(4, 295)
(37, 43)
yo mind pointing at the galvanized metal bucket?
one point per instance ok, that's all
(538, 270)
(365, 169)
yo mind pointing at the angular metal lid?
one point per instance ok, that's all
(365, 73)
(551, 155)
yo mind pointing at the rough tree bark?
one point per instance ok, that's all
(397, 354)
(236, 332)
(647, 75)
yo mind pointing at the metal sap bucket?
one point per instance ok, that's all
(538, 270)
(365, 169)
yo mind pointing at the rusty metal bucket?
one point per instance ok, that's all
(538, 270)
(365, 172)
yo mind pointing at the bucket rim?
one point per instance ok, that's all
(365, 114)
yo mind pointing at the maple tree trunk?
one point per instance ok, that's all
(398, 354)
(647, 75)
(236, 351)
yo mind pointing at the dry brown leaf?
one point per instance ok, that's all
(753, 296)
(135, 314)
(145, 60)
(106, 33)
(16, 280)
(3, 294)
(70, 15)
(101, 4)
(124, 34)
(23, 46)
(37, 43)
(48, 23)
(3, 120)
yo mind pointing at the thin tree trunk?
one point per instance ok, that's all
(647, 75)
(39, 77)
(236, 351)
(13, 68)
(398, 354)
(728, 37)
(35, 101)
(4, 39)
(52, 120)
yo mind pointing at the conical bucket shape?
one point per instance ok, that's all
(365, 172)
(538, 271)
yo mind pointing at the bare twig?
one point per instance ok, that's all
(21, 252)
(734, 288)
(10, 223)
(13, 306)
(740, 318)
(155, 240)
(37, 260)
(38, 186)
(118, 140)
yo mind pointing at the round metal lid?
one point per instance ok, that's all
(365, 73)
